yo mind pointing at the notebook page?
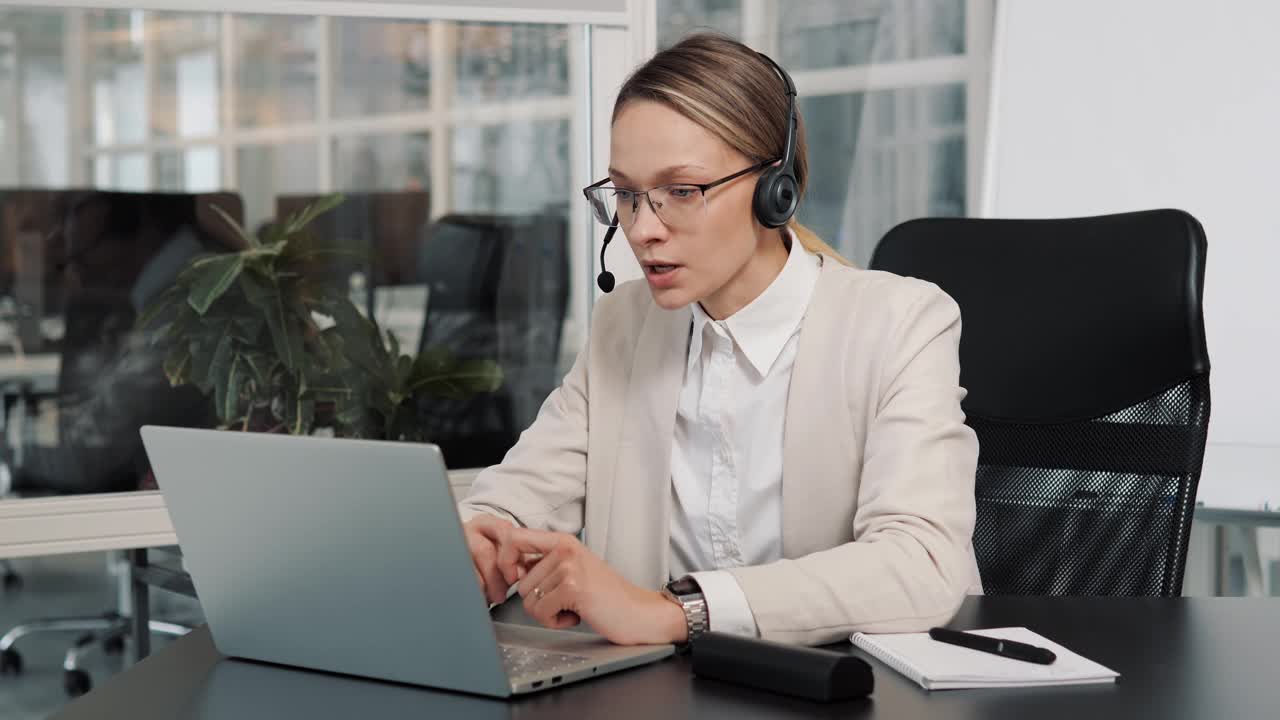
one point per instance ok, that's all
(942, 663)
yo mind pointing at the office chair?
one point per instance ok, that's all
(121, 249)
(1083, 351)
(498, 289)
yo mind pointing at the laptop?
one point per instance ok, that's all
(348, 556)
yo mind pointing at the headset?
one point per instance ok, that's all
(777, 191)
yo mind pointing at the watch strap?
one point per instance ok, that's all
(694, 606)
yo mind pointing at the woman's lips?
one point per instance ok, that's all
(661, 275)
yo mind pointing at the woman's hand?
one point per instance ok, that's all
(567, 583)
(484, 534)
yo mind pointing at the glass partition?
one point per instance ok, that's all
(884, 93)
(343, 226)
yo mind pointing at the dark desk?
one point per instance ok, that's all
(1178, 658)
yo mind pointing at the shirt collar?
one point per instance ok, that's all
(762, 328)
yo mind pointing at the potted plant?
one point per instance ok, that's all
(271, 335)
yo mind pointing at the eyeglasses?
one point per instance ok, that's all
(677, 205)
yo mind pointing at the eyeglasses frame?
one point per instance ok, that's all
(702, 187)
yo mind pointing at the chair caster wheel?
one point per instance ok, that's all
(10, 662)
(113, 646)
(76, 682)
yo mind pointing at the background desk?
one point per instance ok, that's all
(113, 521)
(1178, 658)
(1240, 493)
(1246, 524)
(38, 370)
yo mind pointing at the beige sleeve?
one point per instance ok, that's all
(541, 482)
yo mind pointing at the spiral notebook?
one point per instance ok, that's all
(941, 666)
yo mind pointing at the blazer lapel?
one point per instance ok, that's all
(640, 496)
(806, 430)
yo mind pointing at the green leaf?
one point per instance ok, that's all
(192, 270)
(299, 410)
(306, 415)
(260, 368)
(332, 350)
(404, 371)
(271, 248)
(311, 212)
(247, 328)
(346, 315)
(216, 276)
(431, 361)
(384, 403)
(162, 303)
(296, 306)
(177, 331)
(221, 369)
(466, 379)
(250, 240)
(330, 388)
(361, 343)
(265, 295)
(307, 249)
(176, 364)
(235, 381)
(201, 349)
(482, 376)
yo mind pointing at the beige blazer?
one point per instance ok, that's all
(878, 465)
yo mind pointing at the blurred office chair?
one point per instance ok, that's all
(111, 253)
(498, 289)
(1083, 352)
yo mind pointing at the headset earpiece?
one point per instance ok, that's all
(777, 192)
(776, 197)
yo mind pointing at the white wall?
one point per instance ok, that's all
(1102, 107)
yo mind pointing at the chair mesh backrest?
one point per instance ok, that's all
(1099, 507)
(1087, 372)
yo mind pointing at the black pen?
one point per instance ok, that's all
(1004, 648)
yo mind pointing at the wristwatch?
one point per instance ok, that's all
(686, 593)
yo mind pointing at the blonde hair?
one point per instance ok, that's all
(727, 88)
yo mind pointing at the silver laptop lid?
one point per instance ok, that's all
(337, 555)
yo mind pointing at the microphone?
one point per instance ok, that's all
(605, 278)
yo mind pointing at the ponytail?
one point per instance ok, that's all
(814, 244)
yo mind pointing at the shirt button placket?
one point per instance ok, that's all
(723, 503)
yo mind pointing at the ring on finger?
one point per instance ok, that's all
(537, 594)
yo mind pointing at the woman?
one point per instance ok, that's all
(777, 431)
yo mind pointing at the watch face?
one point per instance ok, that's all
(684, 586)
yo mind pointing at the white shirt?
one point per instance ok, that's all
(726, 460)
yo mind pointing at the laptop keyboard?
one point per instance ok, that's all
(519, 660)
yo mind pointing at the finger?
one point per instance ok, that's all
(495, 586)
(526, 562)
(565, 619)
(558, 609)
(536, 599)
(489, 526)
(516, 542)
(539, 583)
(484, 555)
